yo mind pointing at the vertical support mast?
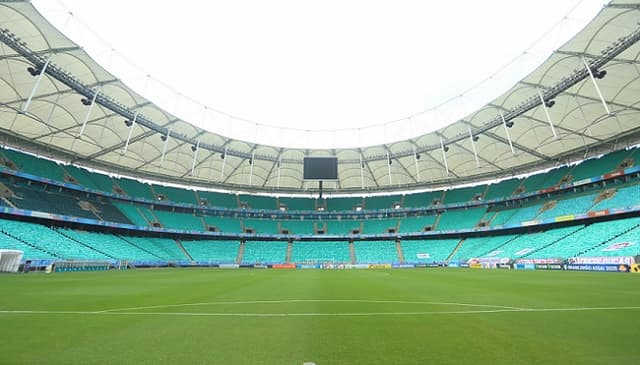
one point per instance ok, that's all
(251, 162)
(361, 172)
(389, 167)
(224, 160)
(593, 79)
(133, 125)
(506, 130)
(473, 144)
(86, 117)
(35, 86)
(546, 112)
(415, 159)
(164, 147)
(444, 156)
(279, 168)
(195, 157)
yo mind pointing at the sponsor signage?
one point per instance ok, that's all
(604, 260)
(379, 266)
(284, 266)
(598, 267)
(402, 266)
(548, 267)
(228, 266)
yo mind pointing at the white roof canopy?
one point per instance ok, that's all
(590, 87)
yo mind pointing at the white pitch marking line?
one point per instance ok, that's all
(308, 301)
(346, 314)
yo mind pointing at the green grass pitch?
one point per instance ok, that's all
(413, 316)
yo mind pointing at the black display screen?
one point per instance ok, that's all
(320, 168)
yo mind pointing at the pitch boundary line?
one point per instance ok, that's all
(312, 314)
(280, 301)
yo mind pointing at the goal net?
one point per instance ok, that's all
(10, 260)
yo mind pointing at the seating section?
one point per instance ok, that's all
(381, 202)
(611, 238)
(428, 250)
(319, 252)
(212, 251)
(373, 252)
(418, 200)
(526, 244)
(545, 180)
(574, 205)
(35, 166)
(265, 226)
(264, 252)
(48, 240)
(176, 220)
(222, 200)
(258, 202)
(517, 214)
(9, 241)
(298, 204)
(223, 224)
(460, 218)
(624, 197)
(590, 241)
(113, 245)
(165, 248)
(175, 194)
(598, 166)
(502, 189)
(71, 203)
(480, 246)
(417, 224)
(378, 226)
(132, 212)
(463, 195)
(299, 226)
(341, 204)
(345, 226)
(136, 189)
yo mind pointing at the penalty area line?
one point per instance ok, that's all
(284, 301)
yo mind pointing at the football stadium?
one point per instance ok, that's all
(130, 234)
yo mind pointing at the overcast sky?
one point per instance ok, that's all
(354, 66)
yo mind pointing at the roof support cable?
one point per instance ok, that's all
(595, 84)
(164, 146)
(133, 125)
(444, 156)
(35, 85)
(506, 131)
(195, 157)
(88, 115)
(546, 112)
(473, 145)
